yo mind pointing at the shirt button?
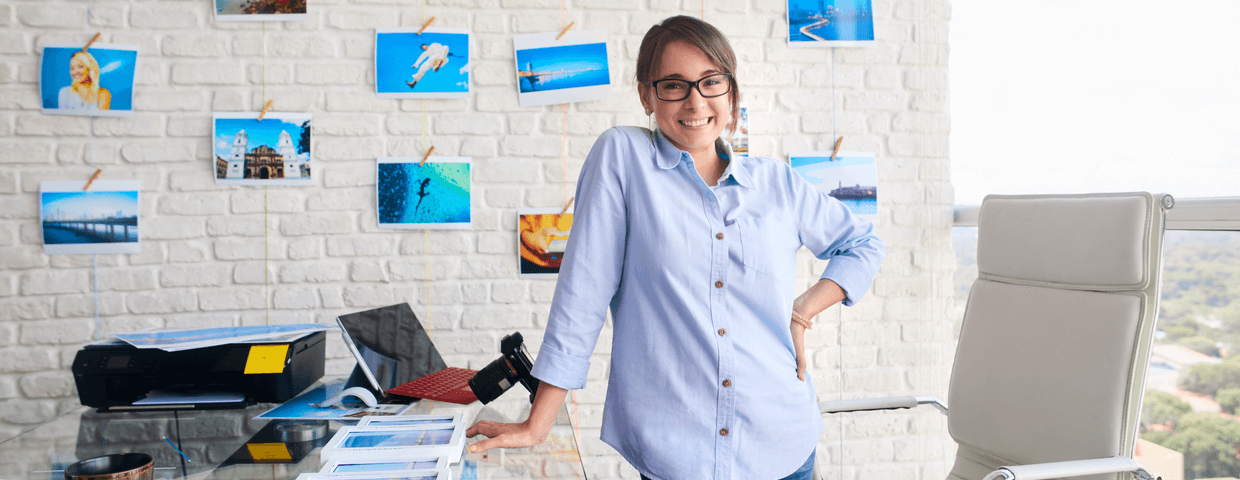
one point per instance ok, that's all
(719, 235)
(722, 332)
(719, 284)
(723, 431)
(727, 383)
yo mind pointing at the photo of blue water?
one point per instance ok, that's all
(436, 193)
(396, 53)
(861, 206)
(830, 20)
(384, 467)
(89, 217)
(569, 66)
(397, 438)
(853, 180)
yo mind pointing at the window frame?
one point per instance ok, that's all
(1200, 213)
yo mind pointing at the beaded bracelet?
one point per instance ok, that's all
(797, 317)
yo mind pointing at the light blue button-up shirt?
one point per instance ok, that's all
(699, 281)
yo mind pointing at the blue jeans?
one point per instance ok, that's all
(806, 472)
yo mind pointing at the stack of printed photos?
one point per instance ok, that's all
(404, 447)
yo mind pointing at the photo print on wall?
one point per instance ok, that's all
(830, 23)
(274, 151)
(851, 178)
(739, 138)
(572, 69)
(434, 64)
(259, 10)
(435, 195)
(542, 235)
(97, 82)
(103, 219)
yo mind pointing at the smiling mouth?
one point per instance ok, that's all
(696, 123)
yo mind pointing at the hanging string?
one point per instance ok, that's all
(564, 148)
(264, 65)
(94, 271)
(940, 335)
(833, 134)
(839, 339)
(266, 210)
(266, 261)
(565, 154)
(427, 253)
(428, 282)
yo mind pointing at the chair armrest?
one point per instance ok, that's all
(1074, 468)
(883, 403)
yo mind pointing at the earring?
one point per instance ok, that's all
(648, 112)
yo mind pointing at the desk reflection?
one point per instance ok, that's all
(230, 444)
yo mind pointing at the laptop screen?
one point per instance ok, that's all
(390, 346)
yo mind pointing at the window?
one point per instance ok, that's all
(1055, 96)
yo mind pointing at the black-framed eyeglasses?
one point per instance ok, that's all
(675, 90)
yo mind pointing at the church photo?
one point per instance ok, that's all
(271, 151)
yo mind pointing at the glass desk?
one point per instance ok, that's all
(229, 444)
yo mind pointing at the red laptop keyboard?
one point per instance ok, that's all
(448, 385)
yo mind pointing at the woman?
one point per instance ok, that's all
(84, 93)
(694, 250)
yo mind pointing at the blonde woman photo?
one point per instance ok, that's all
(84, 93)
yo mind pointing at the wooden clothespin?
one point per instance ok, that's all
(428, 155)
(836, 151)
(265, 108)
(92, 41)
(424, 25)
(565, 30)
(92, 179)
(569, 204)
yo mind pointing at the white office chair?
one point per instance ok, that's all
(1050, 368)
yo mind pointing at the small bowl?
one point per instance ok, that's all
(117, 466)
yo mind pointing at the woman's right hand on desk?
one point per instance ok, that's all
(504, 435)
(547, 404)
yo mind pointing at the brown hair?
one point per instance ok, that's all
(694, 32)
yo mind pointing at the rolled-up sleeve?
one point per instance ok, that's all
(590, 271)
(833, 233)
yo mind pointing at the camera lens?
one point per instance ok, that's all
(492, 381)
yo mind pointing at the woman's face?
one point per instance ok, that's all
(695, 122)
(79, 72)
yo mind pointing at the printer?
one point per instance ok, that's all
(116, 376)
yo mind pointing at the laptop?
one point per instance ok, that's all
(395, 356)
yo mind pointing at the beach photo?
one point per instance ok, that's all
(572, 69)
(274, 151)
(851, 178)
(434, 64)
(542, 235)
(96, 82)
(435, 195)
(259, 10)
(103, 219)
(830, 23)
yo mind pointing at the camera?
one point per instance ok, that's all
(501, 374)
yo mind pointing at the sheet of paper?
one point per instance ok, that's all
(177, 340)
(301, 407)
(171, 398)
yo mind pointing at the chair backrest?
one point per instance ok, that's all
(1057, 331)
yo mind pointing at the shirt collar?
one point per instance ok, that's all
(668, 156)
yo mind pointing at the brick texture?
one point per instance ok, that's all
(208, 250)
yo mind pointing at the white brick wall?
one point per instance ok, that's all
(207, 250)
